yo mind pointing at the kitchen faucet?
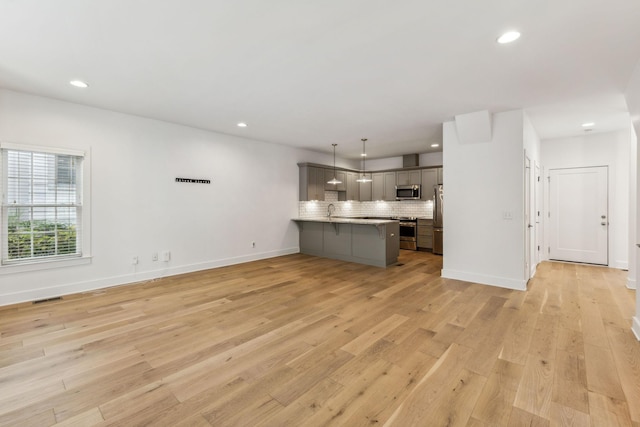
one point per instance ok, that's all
(330, 209)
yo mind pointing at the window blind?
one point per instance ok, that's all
(41, 206)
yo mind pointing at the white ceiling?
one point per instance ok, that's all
(312, 73)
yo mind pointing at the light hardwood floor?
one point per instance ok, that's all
(304, 341)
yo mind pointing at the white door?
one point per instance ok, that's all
(538, 215)
(578, 217)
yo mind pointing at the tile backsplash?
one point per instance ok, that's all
(415, 208)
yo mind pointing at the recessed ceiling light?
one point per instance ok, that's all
(363, 155)
(509, 37)
(588, 124)
(242, 125)
(79, 83)
(435, 145)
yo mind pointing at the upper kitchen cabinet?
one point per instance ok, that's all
(314, 183)
(340, 175)
(377, 186)
(311, 183)
(365, 189)
(390, 186)
(353, 187)
(408, 177)
(440, 176)
(429, 180)
(384, 186)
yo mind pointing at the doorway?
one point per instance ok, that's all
(527, 218)
(578, 215)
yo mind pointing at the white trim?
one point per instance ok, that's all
(501, 282)
(631, 283)
(43, 264)
(636, 327)
(93, 285)
(620, 265)
(41, 149)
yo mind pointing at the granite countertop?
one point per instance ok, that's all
(346, 220)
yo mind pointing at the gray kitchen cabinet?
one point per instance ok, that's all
(366, 194)
(383, 186)
(314, 182)
(425, 234)
(311, 183)
(408, 177)
(440, 176)
(429, 180)
(340, 175)
(371, 243)
(389, 186)
(377, 186)
(352, 188)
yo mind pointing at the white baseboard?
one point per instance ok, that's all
(501, 282)
(636, 327)
(92, 285)
(631, 283)
(620, 265)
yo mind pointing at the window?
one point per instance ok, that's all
(41, 204)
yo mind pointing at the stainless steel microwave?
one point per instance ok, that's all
(407, 192)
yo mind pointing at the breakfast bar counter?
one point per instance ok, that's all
(366, 241)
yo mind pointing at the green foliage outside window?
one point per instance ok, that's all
(39, 238)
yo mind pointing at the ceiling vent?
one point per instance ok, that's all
(410, 160)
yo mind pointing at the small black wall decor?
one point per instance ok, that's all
(194, 181)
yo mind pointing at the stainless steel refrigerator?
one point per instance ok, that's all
(437, 219)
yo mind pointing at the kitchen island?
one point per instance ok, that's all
(366, 241)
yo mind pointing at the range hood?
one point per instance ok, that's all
(410, 160)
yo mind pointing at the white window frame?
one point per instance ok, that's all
(34, 264)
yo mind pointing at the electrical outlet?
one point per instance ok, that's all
(253, 244)
(154, 256)
(134, 260)
(166, 256)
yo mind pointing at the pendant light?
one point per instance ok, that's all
(364, 178)
(334, 181)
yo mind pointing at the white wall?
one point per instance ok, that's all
(634, 251)
(138, 209)
(632, 96)
(431, 159)
(610, 149)
(482, 181)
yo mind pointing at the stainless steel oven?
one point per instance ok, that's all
(408, 233)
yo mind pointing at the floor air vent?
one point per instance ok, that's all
(40, 301)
